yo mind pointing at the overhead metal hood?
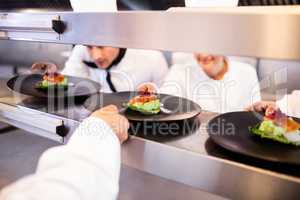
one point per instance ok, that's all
(266, 32)
(65, 5)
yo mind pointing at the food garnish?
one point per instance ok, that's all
(53, 80)
(278, 127)
(145, 102)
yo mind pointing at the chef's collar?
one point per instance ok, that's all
(119, 58)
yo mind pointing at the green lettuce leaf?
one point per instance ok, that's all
(270, 131)
(47, 85)
(149, 108)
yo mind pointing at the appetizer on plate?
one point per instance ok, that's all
(53, 80)
(146, 103)
(278, 127)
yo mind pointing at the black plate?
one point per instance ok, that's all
(26, 84)
(185, 109)
(231, 131)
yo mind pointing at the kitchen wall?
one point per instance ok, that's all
(24, 54)
(278, 77)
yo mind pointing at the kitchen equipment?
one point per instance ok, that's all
(225, 31)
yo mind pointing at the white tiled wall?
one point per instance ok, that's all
(277, 76)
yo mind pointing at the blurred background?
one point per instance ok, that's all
(17, 57)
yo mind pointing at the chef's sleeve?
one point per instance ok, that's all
(289, 104)
(88, 167)
(174, 82)
(250, 83)
(161, 69)
(74, 65)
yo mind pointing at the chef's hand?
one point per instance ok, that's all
(268, 107)
(214, 66)
(117, 122)
(147, 88)
(44, 67)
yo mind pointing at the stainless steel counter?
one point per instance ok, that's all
(190, 159)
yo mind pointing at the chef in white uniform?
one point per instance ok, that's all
(116, 69)
(88, 167)
(216, 83)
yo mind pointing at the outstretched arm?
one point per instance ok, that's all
(86, 168)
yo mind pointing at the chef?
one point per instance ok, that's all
(88, 167)
(289, 104)
(215, 82)
(116, 69)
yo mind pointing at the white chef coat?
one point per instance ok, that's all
(289, 104)
(136, 67)
(94, 5)
(87, 168)
(238, 89)
(211, 3)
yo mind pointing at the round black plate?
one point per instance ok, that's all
(231, 131)
(185, 109)
(26, 84)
